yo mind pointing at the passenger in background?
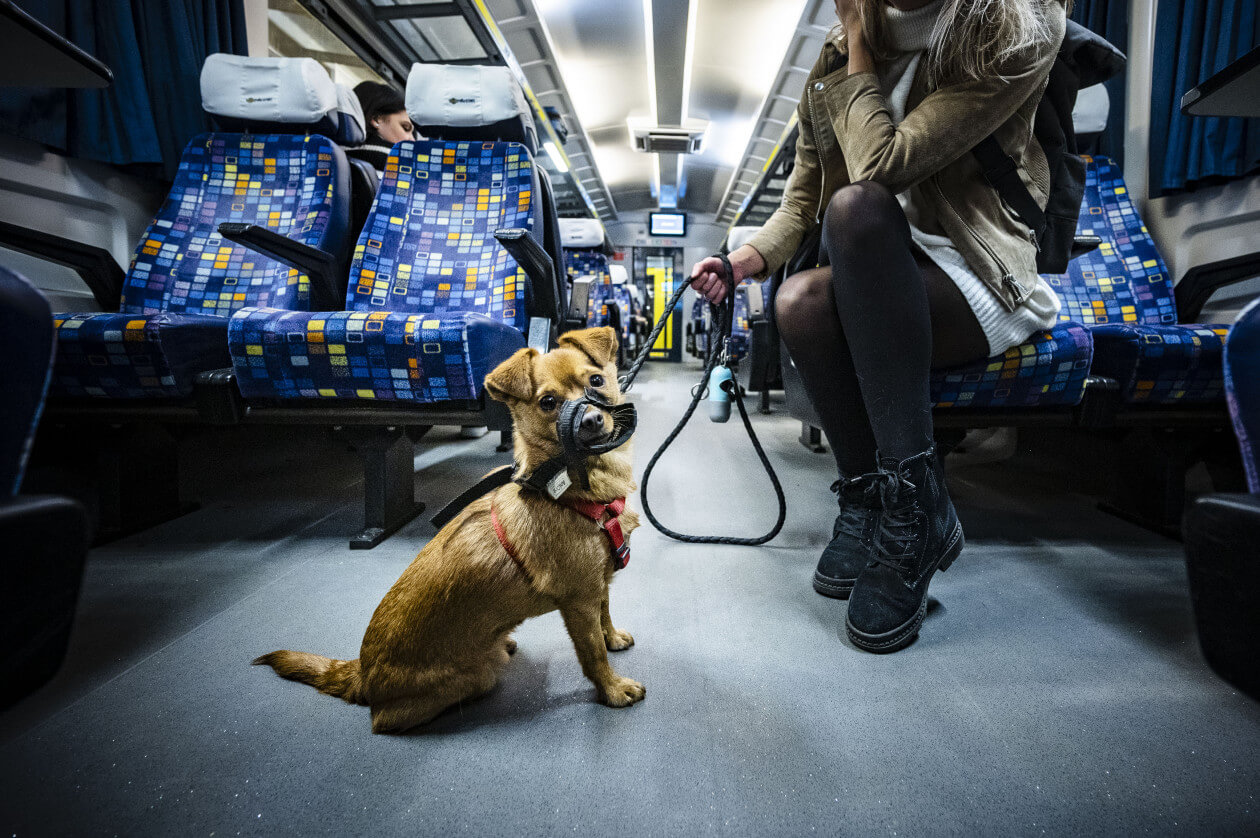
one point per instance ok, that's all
(921, 265)
(387, 122)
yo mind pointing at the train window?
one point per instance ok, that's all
(293, 32)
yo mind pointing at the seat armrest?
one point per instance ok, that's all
(538, 266)
(756, 303)
(319, 265)
(94, 265)
(1084, 244)
(1201, 282)
(579, 305)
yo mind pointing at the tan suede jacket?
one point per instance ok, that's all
(847, 135)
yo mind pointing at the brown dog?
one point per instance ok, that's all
(442, 633)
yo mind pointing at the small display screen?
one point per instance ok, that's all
(668, 224)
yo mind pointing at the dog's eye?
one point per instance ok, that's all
(597, 380)
(547, 403)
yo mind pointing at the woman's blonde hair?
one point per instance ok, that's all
(971, 38)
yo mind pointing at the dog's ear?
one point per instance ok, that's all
(600, 345)
(514, 378)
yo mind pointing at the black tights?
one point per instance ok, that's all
(865, 331)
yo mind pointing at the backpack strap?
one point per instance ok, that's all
(1002, 174)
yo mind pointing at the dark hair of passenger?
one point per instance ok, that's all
(384, 112)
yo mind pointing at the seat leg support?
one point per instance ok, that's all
(127, 476)
(811, 438)
(389, 500)
(1149, 484)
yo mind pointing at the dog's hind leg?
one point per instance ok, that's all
(404, 712)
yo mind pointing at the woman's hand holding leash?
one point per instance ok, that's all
(708, 276)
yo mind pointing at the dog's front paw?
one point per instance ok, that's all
(622, 693)
(618, 640)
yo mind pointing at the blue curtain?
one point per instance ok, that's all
(155, 49)
(1193, 40)
(1110, 19)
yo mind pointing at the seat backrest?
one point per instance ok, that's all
(428, 245)
(592, 263)
(26, 342)
(1242, 388)
(1125, 280)
(580, 263)
(268, 167)
(581, 234)
(363, 177)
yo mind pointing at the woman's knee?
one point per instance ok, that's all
(860, 209)
(802, 303)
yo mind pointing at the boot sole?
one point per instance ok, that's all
(904, 634)
(834, 588)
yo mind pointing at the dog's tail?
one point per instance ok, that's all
(344, 679)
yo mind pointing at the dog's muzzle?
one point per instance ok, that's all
(577, 443)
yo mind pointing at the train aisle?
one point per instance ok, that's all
(1059, 688)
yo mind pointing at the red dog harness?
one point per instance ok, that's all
(619, 548)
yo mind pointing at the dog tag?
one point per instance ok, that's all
(557, 485)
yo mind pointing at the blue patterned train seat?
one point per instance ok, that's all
(1048, 370)
(433, 303)
(581, 263)
(1242, 388)
(741, 325)
(184, 280)
(27, 338)
(700, 325)
(1122, 292)
(624, 303)
(598, 309)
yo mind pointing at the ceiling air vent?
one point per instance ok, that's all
(668, 139)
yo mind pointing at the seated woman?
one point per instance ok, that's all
(922, 265)
(387, 122)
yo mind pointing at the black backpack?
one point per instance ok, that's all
(1084, 59)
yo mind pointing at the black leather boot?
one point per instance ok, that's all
(918, 533)
(852, 534)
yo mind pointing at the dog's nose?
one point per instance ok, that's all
(592, 420)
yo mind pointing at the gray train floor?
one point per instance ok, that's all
(1057, 687)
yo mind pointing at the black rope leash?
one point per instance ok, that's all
(724, 314)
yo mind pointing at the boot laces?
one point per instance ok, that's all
(898, 525)
(853, 511)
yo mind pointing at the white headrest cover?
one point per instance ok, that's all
(620, 275)
(581, 232)
(740, 236)
(463, 95)
(289, 90)
(1093, 106)
(349, 104)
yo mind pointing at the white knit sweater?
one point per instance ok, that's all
(910, 33)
